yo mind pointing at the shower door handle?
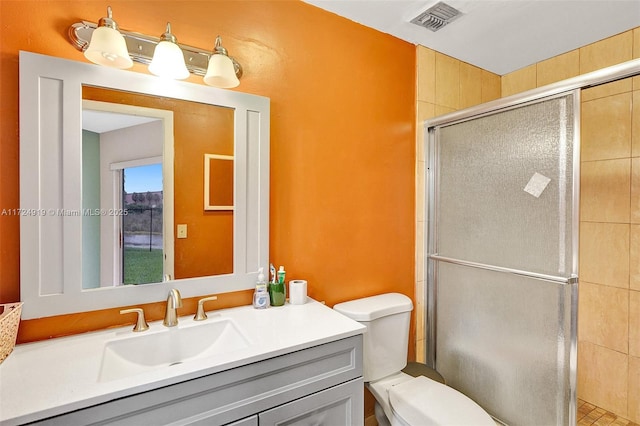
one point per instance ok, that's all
(560, 280)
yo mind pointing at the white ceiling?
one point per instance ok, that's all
(500, 36)
(103, 121)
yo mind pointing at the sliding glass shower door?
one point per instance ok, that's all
(502, 258)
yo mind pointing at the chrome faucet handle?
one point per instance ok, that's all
(200, 314)
(141, 323)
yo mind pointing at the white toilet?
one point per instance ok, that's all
(400, 398)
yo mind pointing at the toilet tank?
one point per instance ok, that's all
(387, 317)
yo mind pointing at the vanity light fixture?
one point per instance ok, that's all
(107, 46)
(221, 72)
(168, 60)
(141, 48)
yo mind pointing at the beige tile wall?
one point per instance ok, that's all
(609, 321)
(609, 308)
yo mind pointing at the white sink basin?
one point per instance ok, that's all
(141, 352)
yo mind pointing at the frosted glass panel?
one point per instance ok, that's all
(505, 188)
(503, 340)
(503, 200)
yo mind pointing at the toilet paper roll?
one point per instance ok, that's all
(298, 292)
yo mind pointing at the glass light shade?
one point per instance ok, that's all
(168, 61)
(221, 73)
(107, 47)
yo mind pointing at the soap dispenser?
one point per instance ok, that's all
(261, 295)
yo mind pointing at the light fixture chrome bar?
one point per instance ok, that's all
(142, 46)
(545, 277)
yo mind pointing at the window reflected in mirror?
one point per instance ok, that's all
(141, 224)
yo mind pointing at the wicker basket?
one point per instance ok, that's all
(9, 322)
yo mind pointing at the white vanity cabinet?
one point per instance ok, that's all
(339, 405)
(319, 385)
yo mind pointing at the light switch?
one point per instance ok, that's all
(182, 230)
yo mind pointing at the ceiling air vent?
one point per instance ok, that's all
(437, 17)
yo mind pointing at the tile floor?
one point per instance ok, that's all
(589, 414)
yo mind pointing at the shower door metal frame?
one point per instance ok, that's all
(572, 279)
(563, 88)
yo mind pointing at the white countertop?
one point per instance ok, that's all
(51, 377)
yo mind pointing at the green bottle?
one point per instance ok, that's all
(277, 289)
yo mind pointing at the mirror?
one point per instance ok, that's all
(58, 246)
(135, 249)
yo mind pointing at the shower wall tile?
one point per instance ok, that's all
(604, 318)
(634, 319)
(447, 81)
(606, 128)
(605, 191)
(441, 110)
(604, 253)
(490, 86)
(558, 68)
(634, 261)
(425, 110)
(636, 55)
(607, 52)
(605, 381)
(635, 124)
(635, 190)
(420, 351)
(470, 85)
(519, 81)
(421, 214)
(609, 89)
(426, 80)
(634, 389)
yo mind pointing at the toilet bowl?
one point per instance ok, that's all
(420, 401)
(403, 400)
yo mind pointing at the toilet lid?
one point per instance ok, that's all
(422, 401)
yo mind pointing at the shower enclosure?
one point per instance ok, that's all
(502, 257)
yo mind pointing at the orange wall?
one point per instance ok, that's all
(342, 135)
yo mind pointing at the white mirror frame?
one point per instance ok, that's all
(51, 136)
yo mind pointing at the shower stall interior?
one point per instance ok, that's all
(502, 249)
(502, 257)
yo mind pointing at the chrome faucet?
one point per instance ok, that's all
(174, 301)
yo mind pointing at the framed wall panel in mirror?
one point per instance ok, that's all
(122, 191)
(218, 182)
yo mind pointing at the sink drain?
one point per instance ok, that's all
(175, 363)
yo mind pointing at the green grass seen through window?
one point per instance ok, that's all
(142, 266)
